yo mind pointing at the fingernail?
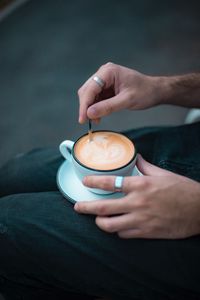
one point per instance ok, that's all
(76, 207)
(80, 120)
(84, 180)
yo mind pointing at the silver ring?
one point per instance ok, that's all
(118, 183)
(99, 81)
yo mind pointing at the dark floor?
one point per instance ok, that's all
(49, 48)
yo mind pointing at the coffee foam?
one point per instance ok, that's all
(106, 150)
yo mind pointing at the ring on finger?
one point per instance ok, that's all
(118, 183)
(99, 81)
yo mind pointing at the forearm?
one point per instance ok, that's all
(183, 90)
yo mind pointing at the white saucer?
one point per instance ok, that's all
(72, 188)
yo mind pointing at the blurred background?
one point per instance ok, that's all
(49, 48)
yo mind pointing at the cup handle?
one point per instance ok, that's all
(66, 149)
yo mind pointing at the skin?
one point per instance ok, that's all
(124, 89)
(160, 204)
(128, 89)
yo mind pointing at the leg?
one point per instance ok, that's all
(46, 245)
(172, 148)
(34, 171)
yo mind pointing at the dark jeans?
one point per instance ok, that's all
(47, 250)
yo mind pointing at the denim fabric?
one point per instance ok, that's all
(48, 250)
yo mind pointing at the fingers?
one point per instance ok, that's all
(90, 90)
(102, 182)
(116, 215)
(108, 182)
(148, 169)
(106, 207)
(87, 95)
(130, 183)
(106, 107)
(102, 207)
(112, 215)
(116, 223)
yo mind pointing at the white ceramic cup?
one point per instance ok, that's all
(67, 151)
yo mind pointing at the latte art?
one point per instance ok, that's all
(106, 150)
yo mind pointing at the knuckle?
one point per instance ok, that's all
(106, 224)
(102, 210)
(141, 201)
(131, 183)
(142, 182)
(92, 182)
(109, 64)
(83, 207)
(108, 227)
(146, 181)
(80, 91)
(104, 183)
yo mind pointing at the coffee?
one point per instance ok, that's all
(106, 151)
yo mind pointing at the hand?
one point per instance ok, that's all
(124, 88)
(159, 204)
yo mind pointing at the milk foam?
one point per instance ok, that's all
(106, 150)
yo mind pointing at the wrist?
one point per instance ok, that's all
(181, 90)
(163, 90)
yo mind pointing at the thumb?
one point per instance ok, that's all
(106, 107)
(148, 169)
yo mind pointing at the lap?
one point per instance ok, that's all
(43, 240)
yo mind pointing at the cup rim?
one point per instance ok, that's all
(104, 171)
